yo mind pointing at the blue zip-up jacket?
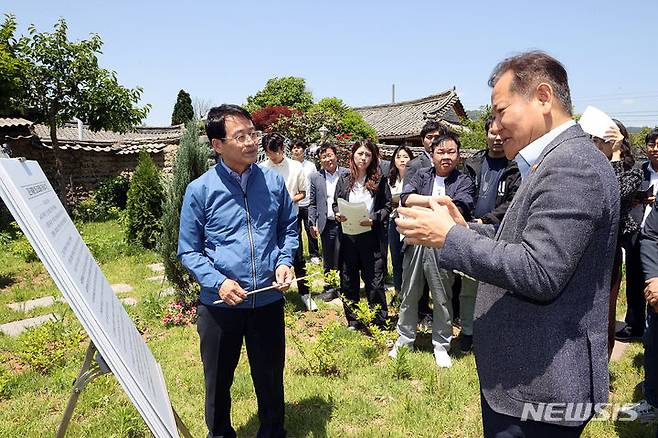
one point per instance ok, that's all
(243, 236)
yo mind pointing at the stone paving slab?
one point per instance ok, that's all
(15, 328)
(618, 350)
(156, 278)
(130, 301)
(121, 288)
(167, 292)
(26, 306)
(336, 302)
(156, 267)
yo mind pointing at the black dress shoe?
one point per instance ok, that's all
(466, 343)
(627, 334)
(329, 295)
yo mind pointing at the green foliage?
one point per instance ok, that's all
(144, 205)
(285, 91)
(320, 356)
(637, 139)
(22, 249)
(400, 366)
(106, 248)
(306, 126)
(475, 136)
(348, 120)
(191, 162)
(367, 315)
(5, 380)
(11, 70)
(332, 279)
(183, 111)
(45, 347)
(106, 202)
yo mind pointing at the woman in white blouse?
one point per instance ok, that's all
(401, 156)
(363, 254)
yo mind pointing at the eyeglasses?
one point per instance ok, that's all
(432, 136)
(242, 138)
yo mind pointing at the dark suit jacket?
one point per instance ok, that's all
(421, 160)
(381, 208)
(459, 187)
(317, 208)
(649, 245)
(541, 310)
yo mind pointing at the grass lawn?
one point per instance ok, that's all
(337, 382)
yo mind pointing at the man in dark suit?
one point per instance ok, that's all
(321, 215)
(541, 310)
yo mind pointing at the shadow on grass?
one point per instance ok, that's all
(7, 280)
(638, 361)
(307, 417)
(635, 429)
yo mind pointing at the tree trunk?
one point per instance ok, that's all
(60, 186)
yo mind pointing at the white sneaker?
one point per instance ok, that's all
(642, 411)
(308, 302)
(315, 260)
(442, 359)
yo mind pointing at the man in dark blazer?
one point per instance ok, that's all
(541, 310)
(320, 214)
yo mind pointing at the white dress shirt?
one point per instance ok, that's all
(331, 181)
(529, 154)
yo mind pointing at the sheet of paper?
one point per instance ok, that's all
(595, 122)
(355, 212)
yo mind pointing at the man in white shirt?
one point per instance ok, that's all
(297, 153)
(293, 174)
(320, 211)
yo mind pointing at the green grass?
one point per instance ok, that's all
(364, 395)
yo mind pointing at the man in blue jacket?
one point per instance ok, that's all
(238, 233)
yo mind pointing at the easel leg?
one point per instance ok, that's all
(89, 371)
(181, 426)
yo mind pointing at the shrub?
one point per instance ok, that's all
(5, 379)
(22, 249)
(45, 347)
(320, 355)
(191, 162)
(105, 203)
(144, 204)
(265, 117)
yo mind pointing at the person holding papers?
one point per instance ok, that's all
(238, 233)
(363, 253)
(420, 264)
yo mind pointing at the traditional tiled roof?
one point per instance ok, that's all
(15, 129)
(151, 139)
(405, 119)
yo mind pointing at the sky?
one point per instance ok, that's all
(222, 51)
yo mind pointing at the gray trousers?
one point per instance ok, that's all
(467, 304)
(419, 265)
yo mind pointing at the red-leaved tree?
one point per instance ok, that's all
(265, 117)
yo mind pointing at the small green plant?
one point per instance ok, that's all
(106, 203)
(367, 316)
(5, 380)
(22, 249)
(320, 355)
(144, 205)
(45, 347)
(332, 279)
(400, 367)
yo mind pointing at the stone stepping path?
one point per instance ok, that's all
(121, 288)
(156, 267)
(156, 278)
(129, 301)
(15, 328)
(336, 302)
(26, 306)
(167, 292)
(619, 350)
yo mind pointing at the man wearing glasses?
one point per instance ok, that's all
(238, 233)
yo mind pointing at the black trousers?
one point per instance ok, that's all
(221, 331)
(302, 216)
(362, 254)
(330, 246)
(636, 311)
(497, 425)
(299, 265)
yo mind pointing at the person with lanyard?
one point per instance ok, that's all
(238, 233)
(420, 264)
(363, 254)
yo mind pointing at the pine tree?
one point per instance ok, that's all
(191, 162)
(144, 205)
(183, 111)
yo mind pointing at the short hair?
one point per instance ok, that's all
(325, 146)
(487, 125)
(531, 68)
(274, 142)
(430, 126)
(446, 137)
(651, 136)
(298, 143)
(216, 119)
